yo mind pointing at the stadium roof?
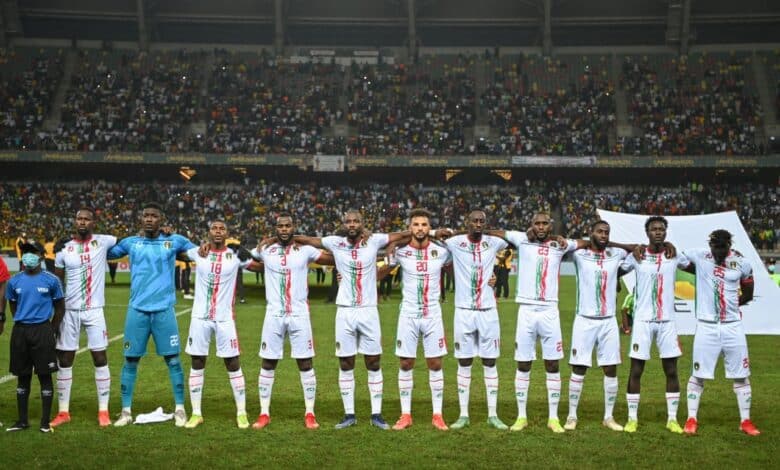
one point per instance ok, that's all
(391, 23)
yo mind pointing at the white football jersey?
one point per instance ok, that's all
(215, 283)
(597, 276)
(85, 271)
(717, 286)
(655, 278)
(421, 278)
(287, 278)
(473, 265)
(538, 268)
(357, 266)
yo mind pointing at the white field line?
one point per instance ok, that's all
(9, 377)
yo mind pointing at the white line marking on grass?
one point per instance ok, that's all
(9, 377)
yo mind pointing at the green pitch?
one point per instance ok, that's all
(218, 443)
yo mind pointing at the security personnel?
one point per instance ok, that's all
(33, 295)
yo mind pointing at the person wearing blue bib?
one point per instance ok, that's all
(150, 311)
(33, 294)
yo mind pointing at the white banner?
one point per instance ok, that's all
(686, 232)
(328, 163)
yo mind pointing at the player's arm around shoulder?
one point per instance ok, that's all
(316, 242)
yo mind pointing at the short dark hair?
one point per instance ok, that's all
(598, 222)
(218, 221)
(656, 218)
(285, 215)
(353, 211)
(86, 209)
(152, 205)
(720, 237)
(420, 212)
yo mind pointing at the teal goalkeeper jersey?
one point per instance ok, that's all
(152, 262)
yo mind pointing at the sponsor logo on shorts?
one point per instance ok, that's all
(574, 352)
(189, 340)
(696, 366)
(635, 347)
(398, 343)
(262, 346)
(338, 346)
(127, 345)
(515, 345)
(457, 346)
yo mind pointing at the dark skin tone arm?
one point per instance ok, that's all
(746, 288)
(2, 305)
(59, 313)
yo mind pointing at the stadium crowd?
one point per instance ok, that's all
(254, 103)
(46, 210)
(700, 106)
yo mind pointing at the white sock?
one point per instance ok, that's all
(553, 393)
(491, 388)
(196, 389)
(672, 401)
(309, 386)
(610, 395)
(522, 381)
(695, 389)
(265, 384)
(103, 384)
(179, 406)
(376, 385)
(347, 387)
(238, 384)
(464, 389)
(575, 390)
(405, 386)
(436, 381)
(64, 381)
(744, 394)
(632, 401)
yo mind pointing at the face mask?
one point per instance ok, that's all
(31, 260)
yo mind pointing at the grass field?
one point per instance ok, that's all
(286, 443)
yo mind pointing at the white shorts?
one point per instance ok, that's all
(358, 331)
(711, 340)
(200, 334)
(589, 332)
(410, 329)
(94, 323)
(665, 333)
(275, 328)
(538, 321)
(477, 333)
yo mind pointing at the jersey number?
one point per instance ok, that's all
(422, 266)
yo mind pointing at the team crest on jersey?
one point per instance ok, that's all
(363, 243)
(167, 245)
(733, 265)
(484, 244)
(608, 252)
(296, 248)
(93, 243)
(434, 253)
(635, 347)
(228, 255)
(554, 244)
(70, 249)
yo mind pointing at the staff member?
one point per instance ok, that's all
(33, 294)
